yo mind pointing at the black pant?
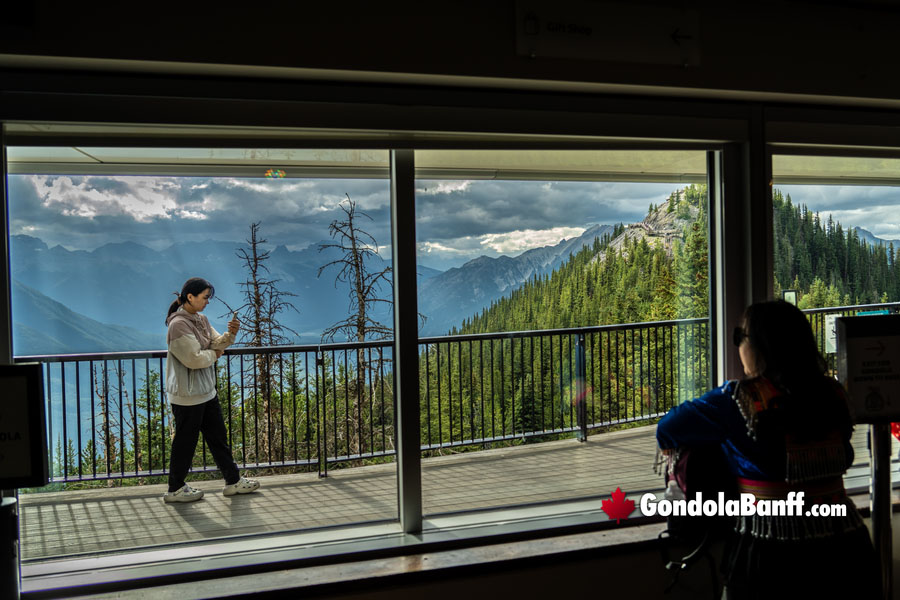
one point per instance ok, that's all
(189, 422)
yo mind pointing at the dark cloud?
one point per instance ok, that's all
(454, 217)
(83, 213)
(456, 220)
(823, 198)
(104, 184)
(874, 208)
(490, 207)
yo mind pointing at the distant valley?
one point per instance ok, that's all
(115, 297)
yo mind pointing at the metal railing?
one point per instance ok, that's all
(484, 388)
(313, 407)
(818, 320)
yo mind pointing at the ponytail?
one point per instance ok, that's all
(174, 306)
(194, 285)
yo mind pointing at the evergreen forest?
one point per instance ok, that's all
(828, 264)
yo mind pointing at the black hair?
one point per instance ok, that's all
(783, 342)
(781, 337)
(195, 286)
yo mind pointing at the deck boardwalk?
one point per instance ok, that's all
(86, 522)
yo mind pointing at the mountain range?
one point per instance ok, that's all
(115, 297)
(870, 238)
(45, 326)
(461, 292)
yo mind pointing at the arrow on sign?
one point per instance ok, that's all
(677, 36)
(880, 348)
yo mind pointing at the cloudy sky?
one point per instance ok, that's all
(457, 220)
(875, 208)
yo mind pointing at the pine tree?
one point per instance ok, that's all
(357, 248)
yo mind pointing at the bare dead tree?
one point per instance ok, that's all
(357, 248)
(115, 426)
(261, 327)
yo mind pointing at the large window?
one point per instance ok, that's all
(563, 299)
(563, 294)
(836, 237)
(100, 239)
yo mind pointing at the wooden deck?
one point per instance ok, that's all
(88, 522)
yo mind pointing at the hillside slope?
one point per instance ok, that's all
(652, 270)
(458, 293)
(44, 326)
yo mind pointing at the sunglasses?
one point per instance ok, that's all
(738, 336)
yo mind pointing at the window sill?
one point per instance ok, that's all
(341, 556)
(336, 557)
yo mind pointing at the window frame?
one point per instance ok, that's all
(574, 134)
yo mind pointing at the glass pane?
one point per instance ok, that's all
(307, 389)
(554, 309)
(837, 235)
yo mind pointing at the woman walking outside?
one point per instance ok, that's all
(194, 347)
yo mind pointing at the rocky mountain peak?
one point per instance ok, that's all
(660, 227)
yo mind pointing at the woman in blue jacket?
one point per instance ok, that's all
(194, 347)
(785, 427)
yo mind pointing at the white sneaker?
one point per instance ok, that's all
(243, 486)
(185, 494)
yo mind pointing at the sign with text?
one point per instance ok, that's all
(619, 32)
(23, 438)
(869, 365)
(831, 334)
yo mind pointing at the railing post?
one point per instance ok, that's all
(322, 425)
(580, 374)
(880, 502)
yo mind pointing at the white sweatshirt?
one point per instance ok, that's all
(190, 363)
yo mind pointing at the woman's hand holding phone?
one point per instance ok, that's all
(234, 325)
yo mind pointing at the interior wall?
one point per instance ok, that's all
(628, 574)
(799, 47)
(792, 46)
(637, 572)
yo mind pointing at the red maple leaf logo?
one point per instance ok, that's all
(618, 508)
